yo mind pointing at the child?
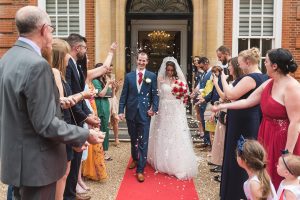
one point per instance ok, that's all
(251, 156)
(289, 167)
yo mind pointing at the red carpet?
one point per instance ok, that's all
(156, 186)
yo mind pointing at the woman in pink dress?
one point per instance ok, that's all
(279, 98)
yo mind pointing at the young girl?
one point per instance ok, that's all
(289, 167)
(251, 156)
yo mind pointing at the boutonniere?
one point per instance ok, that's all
(147, 80)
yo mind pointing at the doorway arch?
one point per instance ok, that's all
(171, 16)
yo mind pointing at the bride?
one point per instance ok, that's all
(170, 147)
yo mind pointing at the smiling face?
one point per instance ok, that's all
(170, 71)
(142, 61)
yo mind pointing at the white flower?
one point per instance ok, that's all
(148, 80)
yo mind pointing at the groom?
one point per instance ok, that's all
(139, 96)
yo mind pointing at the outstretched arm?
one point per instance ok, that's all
(251, 101)
(99, 71)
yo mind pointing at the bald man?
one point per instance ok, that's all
(32, 136)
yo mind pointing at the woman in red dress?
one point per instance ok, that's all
(279, 98)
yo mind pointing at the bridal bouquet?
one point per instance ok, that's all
(180, 90)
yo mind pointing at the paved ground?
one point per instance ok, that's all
(206, 187)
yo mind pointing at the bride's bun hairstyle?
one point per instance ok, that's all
(172, 64)
(252, 55)
(284, 60)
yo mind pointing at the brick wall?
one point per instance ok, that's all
(8, 31)
(90, 30)
(228, 23)
(291, 29)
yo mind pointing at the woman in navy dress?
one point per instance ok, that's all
(244, 121)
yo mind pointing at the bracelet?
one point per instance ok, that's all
(82, 97)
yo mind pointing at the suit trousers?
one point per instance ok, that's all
(46, 192)
(70, 189)
(138, 130)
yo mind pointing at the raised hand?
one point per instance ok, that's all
(113, 46)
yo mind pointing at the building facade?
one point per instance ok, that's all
(179, 28)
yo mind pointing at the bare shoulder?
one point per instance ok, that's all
(292, 86)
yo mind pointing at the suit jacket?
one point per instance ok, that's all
(31, 135)
(77, 84)
(135, 101)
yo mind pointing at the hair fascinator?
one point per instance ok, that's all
(240, 144)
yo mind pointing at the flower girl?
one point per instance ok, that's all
(289, 167)
(251, 156)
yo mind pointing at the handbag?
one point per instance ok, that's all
(222, 117)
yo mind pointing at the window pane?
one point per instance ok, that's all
(268, 7)
(62, 25)
(53, 22)
(266, 45)
(74, 7)
(262, 66)
(243, 44)
(244, 7)
(256, 26)
(254, 43)
(256, 7)
(62, 7)
(74, 24)
(268, 26)
(244, 26)
(50, 7)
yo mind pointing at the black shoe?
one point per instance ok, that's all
(216, 169)
(210, 163)
(217, 178)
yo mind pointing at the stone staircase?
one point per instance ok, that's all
(123, 131)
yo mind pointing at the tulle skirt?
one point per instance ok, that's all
(170, 147)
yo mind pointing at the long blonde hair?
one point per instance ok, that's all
(60, 48)
(254, 156)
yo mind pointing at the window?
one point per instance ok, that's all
(256, 23)
(68, 16)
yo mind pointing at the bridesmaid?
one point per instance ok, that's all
(280, 103)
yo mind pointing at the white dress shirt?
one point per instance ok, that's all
(139, 86)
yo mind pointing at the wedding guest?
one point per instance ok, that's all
(251, 156)
(279, 99)
(60, 50)
(75, 78)
(224, 55)
(244, 121)
(204, 64)
(289, 167)
(217, 151)
(114, 109)
(104, 87)
(198, 76)
(36, 128)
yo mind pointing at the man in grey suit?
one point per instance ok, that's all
(32, 136)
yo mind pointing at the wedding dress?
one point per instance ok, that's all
(170, 148)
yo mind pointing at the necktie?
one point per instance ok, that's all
(140, 78)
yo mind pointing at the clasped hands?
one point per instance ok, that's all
(95, 137)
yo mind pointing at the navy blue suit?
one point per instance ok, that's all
(81, 111)
(138, 122)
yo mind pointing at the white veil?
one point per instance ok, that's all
(162, 69)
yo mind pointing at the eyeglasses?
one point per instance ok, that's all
(85, 47)
(283, 153)
(53, 27)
